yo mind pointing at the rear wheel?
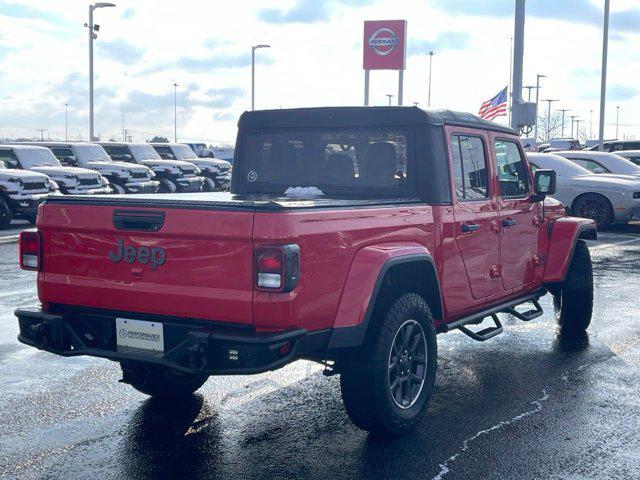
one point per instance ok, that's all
(6, 215)
(573, 304)
(161, 382)
(596, 207)
(386, 389)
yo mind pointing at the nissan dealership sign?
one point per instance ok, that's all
(385, 44)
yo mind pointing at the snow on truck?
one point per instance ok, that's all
(421, 223)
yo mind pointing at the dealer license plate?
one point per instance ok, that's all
(137, 336)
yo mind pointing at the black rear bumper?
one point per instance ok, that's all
(191, 346)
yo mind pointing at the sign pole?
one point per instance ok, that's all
(366, 88)
(400, 85)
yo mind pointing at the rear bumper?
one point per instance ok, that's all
(191, 346)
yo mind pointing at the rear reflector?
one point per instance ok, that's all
(29, 250)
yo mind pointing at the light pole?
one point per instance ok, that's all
(538, 77)
(389, 96)
(578, 122)
(563, 110)
(66, 122)
(431, 53)
(573, 119)
(603, 80)
(253, 73)
(617, 122)
(529, 88)
(92, 37)
(549, 102)
(175, 112)
(590, 124)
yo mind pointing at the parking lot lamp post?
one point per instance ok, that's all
(549, 102)
(573, 119)
(563, 110)
(431, 53)
(590, 124)
(389, 96)
(92, 36)
(603, 78)
(578, 122)
(538, 77)
(175, 112)
(66, 122)
(529, 88)
(253, 73)
(617, 121)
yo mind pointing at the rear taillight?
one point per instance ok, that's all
(30, 250)
(277, 268)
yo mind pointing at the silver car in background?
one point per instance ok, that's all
(602, 162)
(631, 155)
(606, 198)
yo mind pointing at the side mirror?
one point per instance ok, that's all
(544, 184)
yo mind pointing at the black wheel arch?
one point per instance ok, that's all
(415, 273)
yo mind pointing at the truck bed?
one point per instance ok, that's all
(226, 200)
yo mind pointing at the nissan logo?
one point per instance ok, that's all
(383, 41)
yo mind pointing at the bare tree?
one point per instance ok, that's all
(549, 128)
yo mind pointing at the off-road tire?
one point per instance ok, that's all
(161, 382)
(365, 380)
(573, 304)
(596, 207)
(118, 189)
(6, 215)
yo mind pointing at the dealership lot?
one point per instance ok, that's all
(526, 404)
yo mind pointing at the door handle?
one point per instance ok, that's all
(470, 227)
(508, 223)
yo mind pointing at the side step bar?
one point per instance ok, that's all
(507, 307)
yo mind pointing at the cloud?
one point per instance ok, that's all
(306, 11)
(128, 13)
(443, 41)
(226, 60)
(574, 11)
(15, 10)
(214, 42)
(121, 52)
(621, 93)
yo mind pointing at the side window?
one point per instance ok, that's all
(118, 154)
(469, 167)
(512, 170)
(8, 158)
(66, 157)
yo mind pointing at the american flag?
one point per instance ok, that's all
(495, 107)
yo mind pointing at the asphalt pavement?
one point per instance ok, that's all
(528, 404)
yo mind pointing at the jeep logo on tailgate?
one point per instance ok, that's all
(154, 255)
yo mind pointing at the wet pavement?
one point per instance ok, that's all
(528, 404)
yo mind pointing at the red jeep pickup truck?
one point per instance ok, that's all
(408, 224)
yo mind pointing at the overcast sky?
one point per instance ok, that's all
(144, 46)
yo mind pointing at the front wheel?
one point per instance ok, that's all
(596, 207)
(387, 388)
(6, 215)
(167, 186)
(573, 304)
(161, 382)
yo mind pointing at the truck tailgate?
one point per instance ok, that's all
(197, 264)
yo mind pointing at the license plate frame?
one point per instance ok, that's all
(139, 336)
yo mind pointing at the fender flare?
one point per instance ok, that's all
(354, 312)
(563, 236)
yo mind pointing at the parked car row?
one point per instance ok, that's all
(597, 185)
(29, 172)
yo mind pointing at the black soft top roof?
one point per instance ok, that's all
(364, 116)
